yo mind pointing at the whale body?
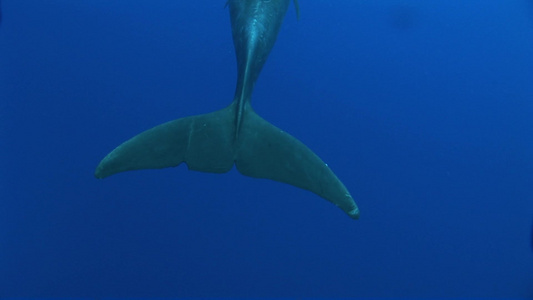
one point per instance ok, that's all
(236, 135)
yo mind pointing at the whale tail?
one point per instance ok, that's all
(213, 143)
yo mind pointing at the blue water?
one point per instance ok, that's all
(424, 109)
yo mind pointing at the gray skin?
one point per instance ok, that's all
(255, 26)
(236, 135)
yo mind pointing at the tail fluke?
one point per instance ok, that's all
(204, 142)
(265, 151)
(210, 143)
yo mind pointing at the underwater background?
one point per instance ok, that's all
(423, 108)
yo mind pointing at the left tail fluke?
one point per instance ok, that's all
(204, 142)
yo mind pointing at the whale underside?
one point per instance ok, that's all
(236, 135)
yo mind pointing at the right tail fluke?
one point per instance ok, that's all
(265, 151)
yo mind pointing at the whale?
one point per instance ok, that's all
(236, 135)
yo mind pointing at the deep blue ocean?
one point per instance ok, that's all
(423, 108)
